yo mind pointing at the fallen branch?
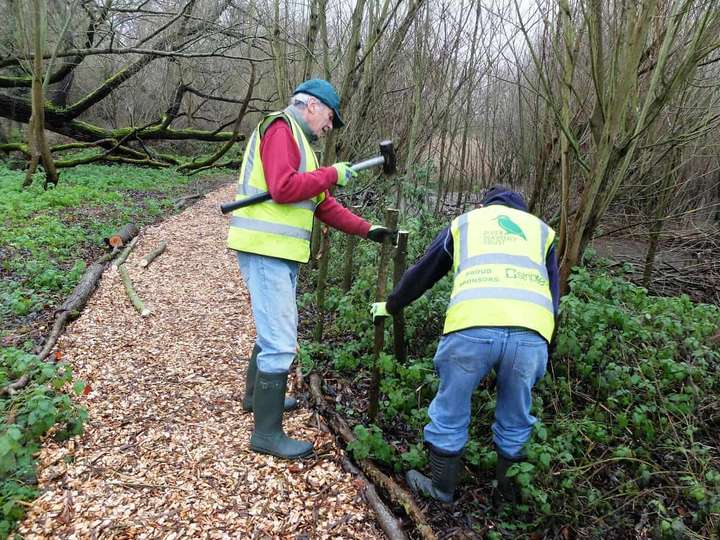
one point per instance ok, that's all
(388, 522)
(299, 380)
(134, 298)
(123, 236)
(150, 257)
(182, 201)
(397, 494)
(74, 303)
(13, 387)
(201, 165)
(232, 164)
(124, 255)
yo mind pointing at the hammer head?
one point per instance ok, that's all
(388, 153)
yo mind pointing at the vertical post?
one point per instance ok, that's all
(391, 220)
(321, 283)
(399, 318)
(350, 243)
(315, 242)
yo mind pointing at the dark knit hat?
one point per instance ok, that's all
(505, 196)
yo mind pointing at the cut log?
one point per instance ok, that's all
(74, 303)
(130, 290)
(124, 255)
(150, 257)
(123, 236)
(397, 494)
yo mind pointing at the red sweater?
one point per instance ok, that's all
(281, 159)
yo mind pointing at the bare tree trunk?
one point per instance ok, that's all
(470, 86)
(662, 200)
(419, 76)
(568, 67)
(321, 286)
(37, 142)
(310, 39)
(279, 61)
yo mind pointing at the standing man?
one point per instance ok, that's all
(501, 316)
(272, 238)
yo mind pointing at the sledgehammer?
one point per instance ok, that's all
(386, 159)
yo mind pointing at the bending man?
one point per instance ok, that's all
(501, 316)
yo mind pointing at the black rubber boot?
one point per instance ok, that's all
(445, 471)
(247, 404)
(268, 436)
(507, 491)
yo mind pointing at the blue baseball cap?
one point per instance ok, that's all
(325, 92)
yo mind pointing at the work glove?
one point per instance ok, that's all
(379, 309)
(378, 233)
(344, 172)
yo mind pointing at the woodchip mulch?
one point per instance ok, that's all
(165, 451)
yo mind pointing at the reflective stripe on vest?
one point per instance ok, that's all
(500, 274)
(270, 228)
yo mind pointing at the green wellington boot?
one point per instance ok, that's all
(268, 436)
(507, 491)
(445, 471)
(247, 404)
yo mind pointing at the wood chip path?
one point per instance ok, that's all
(165, 451)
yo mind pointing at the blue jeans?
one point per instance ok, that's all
(272, 284)
(463, 359)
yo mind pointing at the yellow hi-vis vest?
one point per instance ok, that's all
(500, 274)
(269, 228)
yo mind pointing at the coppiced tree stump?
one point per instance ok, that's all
(150, 257)
(132, 294)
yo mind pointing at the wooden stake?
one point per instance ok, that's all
(321, 285)
(399, 318)
(350, 243)
(391, 220)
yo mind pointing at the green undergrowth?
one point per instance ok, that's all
(629, 411)
(29, 413)
(48, 236)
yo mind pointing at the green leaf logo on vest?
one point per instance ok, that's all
(510, 227)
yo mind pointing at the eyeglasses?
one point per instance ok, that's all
(324, 108)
